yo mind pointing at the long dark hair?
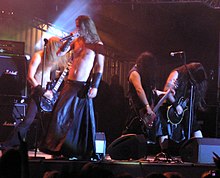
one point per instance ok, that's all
(146, 64)
(196, 72)
(200, 78)
(87, 29)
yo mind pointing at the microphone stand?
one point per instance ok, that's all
(39, 109)
(192, 95)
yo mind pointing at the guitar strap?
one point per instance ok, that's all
(133, 107)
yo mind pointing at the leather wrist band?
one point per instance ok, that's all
(96, 78)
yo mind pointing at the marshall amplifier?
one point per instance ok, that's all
(10, 116)
(13, 76)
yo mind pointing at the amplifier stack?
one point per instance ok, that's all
(13, 85)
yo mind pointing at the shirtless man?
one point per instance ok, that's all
(34, 77)
(72, 131)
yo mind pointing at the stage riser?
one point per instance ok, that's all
(137, 169)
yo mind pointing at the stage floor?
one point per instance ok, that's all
(40, 163)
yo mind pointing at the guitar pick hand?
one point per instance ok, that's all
(148, 120)
(48, 94)
(179, 109)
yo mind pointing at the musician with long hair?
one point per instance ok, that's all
(72, 130)
(42, 63)
(143, 97)
(189, 85)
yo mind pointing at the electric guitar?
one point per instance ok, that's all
(172, 116)
(148, 119)
(48, 104)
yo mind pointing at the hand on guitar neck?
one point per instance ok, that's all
(149, 118)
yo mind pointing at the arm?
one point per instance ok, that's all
(67, 45)
(34, 63)
(171, 84)
(96, 78)
(135, 79)
(64, 48)
(32, 69)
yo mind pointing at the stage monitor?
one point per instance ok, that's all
(200, 150)
(129, 146)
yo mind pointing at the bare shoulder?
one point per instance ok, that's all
(38, 54)
(134, 76)
(173, 75)
(37, 57)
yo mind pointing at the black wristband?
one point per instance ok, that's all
(38, 90)
(175, 104)
(64, 47)
(96, 78)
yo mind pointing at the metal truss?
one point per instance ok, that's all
(47, 27)
(215, 4)
(40, 24)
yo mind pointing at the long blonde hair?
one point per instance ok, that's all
(52, 47)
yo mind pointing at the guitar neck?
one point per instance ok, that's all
(160, 102)
(60, 80)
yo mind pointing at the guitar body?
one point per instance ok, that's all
(172, 116)
(46, 104)
(148, 120)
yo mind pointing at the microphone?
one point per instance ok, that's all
(176, 52)
(72, 35)
(45, 41)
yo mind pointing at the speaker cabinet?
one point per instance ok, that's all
(10, 115)
(200, 150)
(129, 146)
(13, 76)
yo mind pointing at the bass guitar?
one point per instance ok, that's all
(172, 116)
(148, 119)
(48, 104)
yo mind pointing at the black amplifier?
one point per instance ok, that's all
(13, 71)
(12, 47)
(10, 116)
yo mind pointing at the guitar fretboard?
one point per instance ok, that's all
(161, 101)
(60, 80)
